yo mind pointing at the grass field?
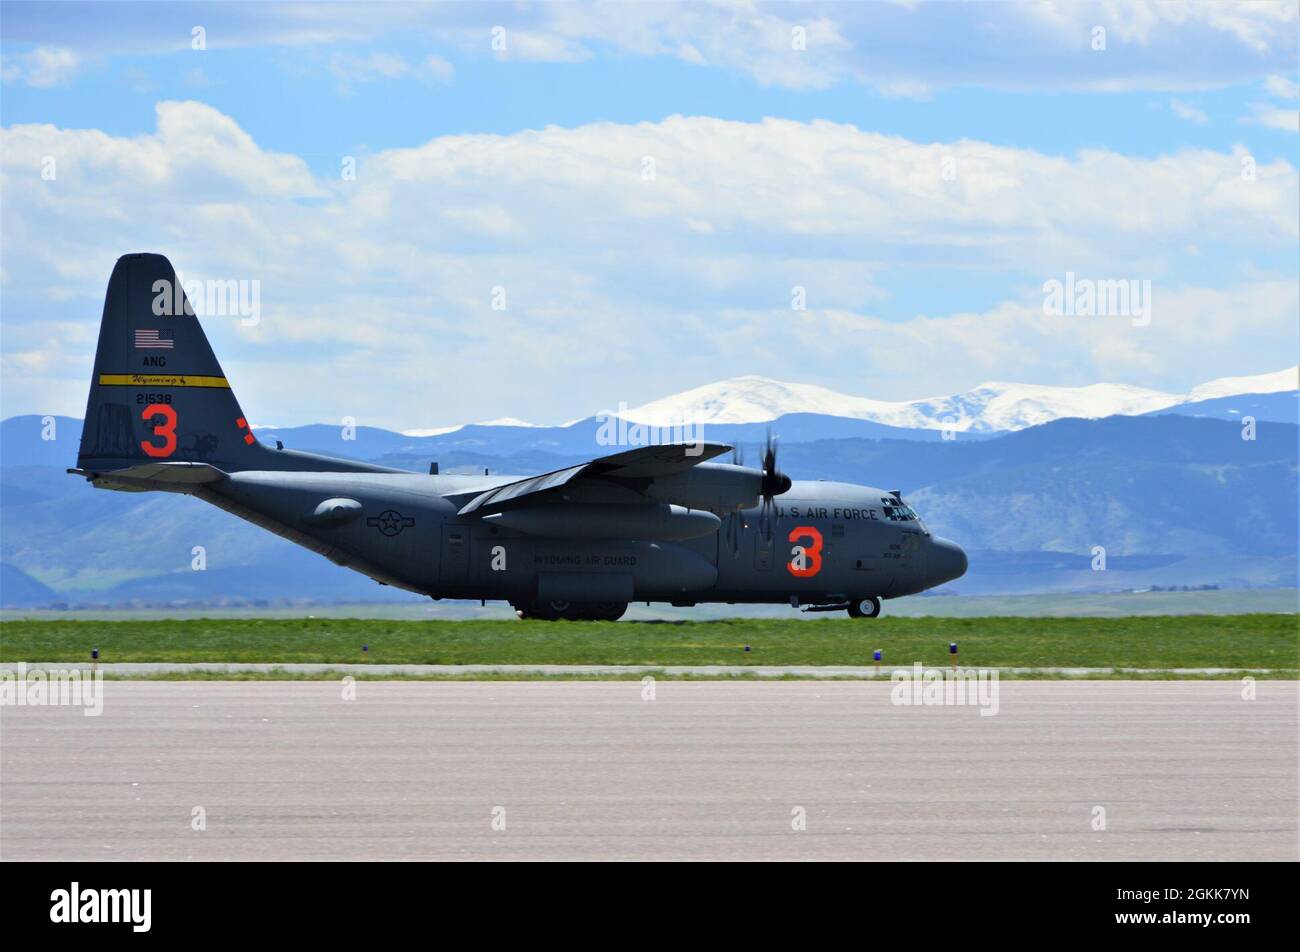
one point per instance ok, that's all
(1038, 605)
(1224, 641)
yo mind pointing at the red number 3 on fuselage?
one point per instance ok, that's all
(805, 560)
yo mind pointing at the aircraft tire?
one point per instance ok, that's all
(607, 611)
(865, 608)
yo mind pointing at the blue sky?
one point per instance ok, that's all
(521, 168)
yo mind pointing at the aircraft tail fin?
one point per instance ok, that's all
(158, 394)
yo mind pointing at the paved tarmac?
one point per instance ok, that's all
(812, 671)
(705, 770)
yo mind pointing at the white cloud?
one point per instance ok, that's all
(1282, 88)
(1260, 26)
(1274, 117)
(534, 45)
(198, 155)
(1192, 328)
(899, 49)
(376, 293)
(1185, 111)
(910, 50)
(42, 67)
(348, 69)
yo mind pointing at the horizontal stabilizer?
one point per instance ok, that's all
(173, 477)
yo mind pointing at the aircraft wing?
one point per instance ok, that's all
(644, 464)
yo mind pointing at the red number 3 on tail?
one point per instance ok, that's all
(166, 429)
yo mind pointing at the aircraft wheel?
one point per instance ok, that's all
(606, 611)
(865, 608)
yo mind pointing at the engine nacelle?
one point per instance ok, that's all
(718, 487)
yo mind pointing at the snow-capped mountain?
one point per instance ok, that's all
(1280, 382)
(989, 407)
(443, 430)
(753, 399)
(1014, 406)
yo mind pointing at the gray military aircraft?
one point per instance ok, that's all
(658, 523)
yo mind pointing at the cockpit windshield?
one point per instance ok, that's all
(897, 510)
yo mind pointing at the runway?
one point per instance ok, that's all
(704, 770)
(147, 669)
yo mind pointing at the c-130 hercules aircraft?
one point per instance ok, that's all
(659, 523)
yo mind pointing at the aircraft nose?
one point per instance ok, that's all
(946, 561)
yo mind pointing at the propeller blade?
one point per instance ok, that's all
(775, 482)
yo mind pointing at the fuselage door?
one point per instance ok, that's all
(763, 547)
(455, 555)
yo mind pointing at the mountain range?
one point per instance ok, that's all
(1169, 485)
(989, 407)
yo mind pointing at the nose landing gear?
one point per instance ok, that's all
(865, 608)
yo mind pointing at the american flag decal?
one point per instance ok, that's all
(154, 340)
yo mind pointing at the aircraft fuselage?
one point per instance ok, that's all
(830, 542)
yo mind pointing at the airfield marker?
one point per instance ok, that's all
(876, 658)
(365, 650)
(952, 651)
(94, 660)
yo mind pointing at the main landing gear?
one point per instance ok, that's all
(571, 611)
(865, 608)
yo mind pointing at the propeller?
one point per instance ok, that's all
(774, 484)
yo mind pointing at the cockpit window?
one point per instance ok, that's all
(897, 510)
